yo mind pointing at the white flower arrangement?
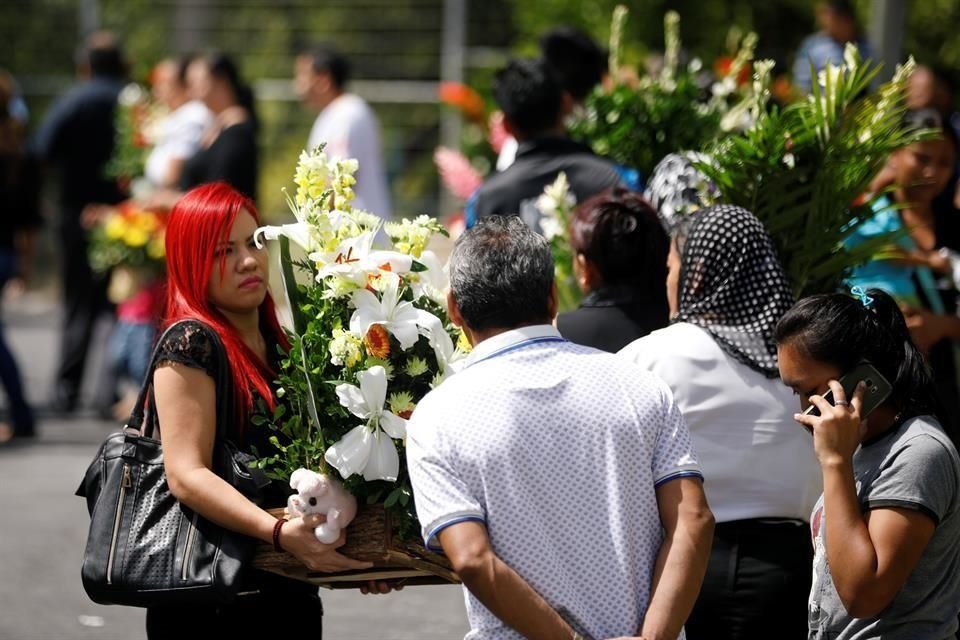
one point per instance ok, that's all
(371, 336)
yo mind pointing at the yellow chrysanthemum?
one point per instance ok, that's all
(115, 228)
(156, 249)
(134, 237)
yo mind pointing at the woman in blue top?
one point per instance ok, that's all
(915, 271)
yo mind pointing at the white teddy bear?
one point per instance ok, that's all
(317, 493)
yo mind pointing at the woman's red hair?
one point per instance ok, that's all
(200, 221)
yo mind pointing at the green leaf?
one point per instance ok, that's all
(393, 497)
(290, 286)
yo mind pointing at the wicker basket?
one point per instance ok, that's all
(370, 537)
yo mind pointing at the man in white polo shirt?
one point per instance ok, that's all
(346, 124)
(558, 479)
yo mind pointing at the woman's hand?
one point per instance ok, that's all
(381, 586)
(838, 430)
(928, 328)
(297, 538)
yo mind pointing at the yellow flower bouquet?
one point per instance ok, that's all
(128, 236)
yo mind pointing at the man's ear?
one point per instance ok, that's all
(325, 82)
(553, 302)
(453, 309)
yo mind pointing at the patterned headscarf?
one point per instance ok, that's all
(677, 188)
(733, 285)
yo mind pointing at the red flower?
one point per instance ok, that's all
(723, 65)
(462, 97)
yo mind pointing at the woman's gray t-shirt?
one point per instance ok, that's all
(913, 467)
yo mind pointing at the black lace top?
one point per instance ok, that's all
(190, 343)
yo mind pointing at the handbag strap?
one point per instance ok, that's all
(225, 406)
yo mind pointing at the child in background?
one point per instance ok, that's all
(138, 293)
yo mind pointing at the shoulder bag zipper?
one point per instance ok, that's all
(189, 546)
(125, 483)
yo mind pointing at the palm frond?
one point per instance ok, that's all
(799, 169)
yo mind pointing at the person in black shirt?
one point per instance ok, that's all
(77, 139)
(19, 217)
(620, 258)
(217, 284)
(532, 100)
(229, 152)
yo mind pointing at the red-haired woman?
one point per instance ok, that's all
(217, 279)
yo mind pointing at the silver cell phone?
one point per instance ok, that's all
(878, 389)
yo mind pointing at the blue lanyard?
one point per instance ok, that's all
(518, 345)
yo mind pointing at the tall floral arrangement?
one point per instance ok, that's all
(557, 203)
(802, 168)
(370, 337)
(638, 122)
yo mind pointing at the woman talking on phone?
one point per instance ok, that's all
(886, 558)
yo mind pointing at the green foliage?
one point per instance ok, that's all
(638, 128)
(801, 169)
(130, 148)
(637, 123)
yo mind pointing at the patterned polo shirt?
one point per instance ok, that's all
(557, 449)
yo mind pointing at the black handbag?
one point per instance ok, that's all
(146, 549)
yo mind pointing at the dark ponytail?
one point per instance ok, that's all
(222, 66)
(839, 330)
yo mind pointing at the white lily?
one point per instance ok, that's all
(309, 232)
(448, 356)
(355, 259)
(368, 448)
(299, 232)
(433, 282)
(397, 316)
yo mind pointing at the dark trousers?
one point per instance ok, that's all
(282, 608)
(84, 299)
(21, 417)
(757, 583)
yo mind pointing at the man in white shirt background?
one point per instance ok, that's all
(558, 479)
(346, 123)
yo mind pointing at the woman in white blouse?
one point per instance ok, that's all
(727, 290)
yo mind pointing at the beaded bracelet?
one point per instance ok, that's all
(276, 533)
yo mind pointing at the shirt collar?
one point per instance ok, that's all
(511, 339)
(553, 145)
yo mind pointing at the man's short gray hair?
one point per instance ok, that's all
(501, 275)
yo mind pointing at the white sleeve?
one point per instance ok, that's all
(442, 496)
(674, 456)
(640, 353)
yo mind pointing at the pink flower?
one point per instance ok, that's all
(497, 132)
(458, 175)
